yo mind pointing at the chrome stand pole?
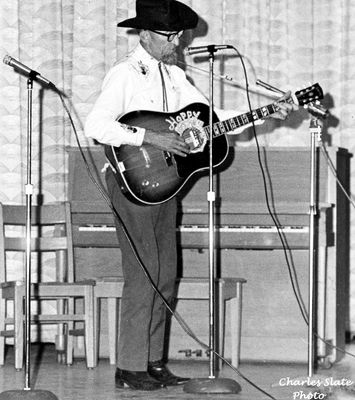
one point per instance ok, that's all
(211, 384)
(315, 131)
(27, 392)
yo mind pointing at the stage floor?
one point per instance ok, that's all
(277, 380)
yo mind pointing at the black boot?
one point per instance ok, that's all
(138, 380)
(159, 371)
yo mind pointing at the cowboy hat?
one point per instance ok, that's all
(162, 15)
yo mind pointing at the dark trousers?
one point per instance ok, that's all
(143, 314)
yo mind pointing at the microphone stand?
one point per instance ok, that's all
(212, 384)
(316, 111)
(315, 130)
(28, 392)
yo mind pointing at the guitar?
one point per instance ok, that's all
(148, 175)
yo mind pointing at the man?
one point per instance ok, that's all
(147, 79)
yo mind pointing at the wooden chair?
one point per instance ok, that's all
(227, 289)
(52, 232)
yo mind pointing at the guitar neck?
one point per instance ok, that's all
(223, 127)
(301, 97)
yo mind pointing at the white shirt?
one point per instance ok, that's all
(135, 84)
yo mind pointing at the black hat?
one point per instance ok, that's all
(161, 15)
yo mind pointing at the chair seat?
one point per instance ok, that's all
(48, 290)
(90, 282)
(52, 228)
(195, 288)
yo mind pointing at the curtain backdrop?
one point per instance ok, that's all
(289, 44)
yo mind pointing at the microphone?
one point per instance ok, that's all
(204, 49)
(317, 110)
(27, 71)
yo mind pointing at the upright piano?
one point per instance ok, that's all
(248, 232)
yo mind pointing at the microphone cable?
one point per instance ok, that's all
(174, 313)
(273, 215)
(231, 80)
(103, 193)
(106, 198)
(282, 236)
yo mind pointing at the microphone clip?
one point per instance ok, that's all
(211, 49)
(317, 110)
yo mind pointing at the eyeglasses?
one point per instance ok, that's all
(170, 36)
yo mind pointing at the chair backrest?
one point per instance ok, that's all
(51, 231)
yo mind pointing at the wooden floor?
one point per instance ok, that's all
(76, 382)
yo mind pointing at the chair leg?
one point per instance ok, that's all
(112, 328)
(236, 324)
(90, 345)
(69, 338)
(60, 342)
(18, 326)
(97, 313)
(2, 328)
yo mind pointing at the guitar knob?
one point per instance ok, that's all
(145, 182)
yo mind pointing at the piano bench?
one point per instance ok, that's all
(227, 289)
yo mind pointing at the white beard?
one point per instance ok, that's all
(169, 54)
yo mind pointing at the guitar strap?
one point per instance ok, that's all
(165, 97)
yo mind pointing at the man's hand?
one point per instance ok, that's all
(167, 141)
(285, 108)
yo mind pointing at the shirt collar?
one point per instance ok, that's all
(141, 55)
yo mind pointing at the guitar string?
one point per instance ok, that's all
(155, 154)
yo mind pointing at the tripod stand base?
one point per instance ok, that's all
(212, 385)
(27, 395)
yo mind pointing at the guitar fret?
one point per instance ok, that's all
(272, 108)
(245, 118)
(259, 113)
(222, 127)
(264, 111)
(226, 126)
(216, 130)
(207, 131)
(233, 123)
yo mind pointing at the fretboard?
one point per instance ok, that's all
(223, 127)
